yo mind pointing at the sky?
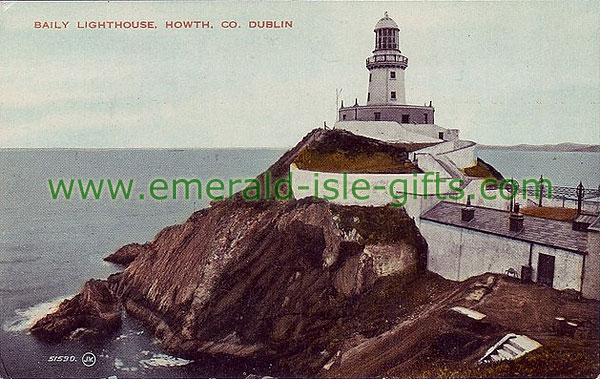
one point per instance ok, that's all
(501, 72)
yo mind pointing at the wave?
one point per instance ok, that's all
(25, 318)
(19, 260)
(162, 360)
(153, 360)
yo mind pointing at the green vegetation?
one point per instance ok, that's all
(342, 151)
(340, 161)
(480, 170)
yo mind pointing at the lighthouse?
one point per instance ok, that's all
(386, 97)
(386, 66)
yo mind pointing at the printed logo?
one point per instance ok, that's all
(88, 359)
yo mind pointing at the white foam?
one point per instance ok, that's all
(128, 335)
(26, 317)
(163, 360)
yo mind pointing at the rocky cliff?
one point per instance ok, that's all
(263, 280)
(268, 281)
(313, 288)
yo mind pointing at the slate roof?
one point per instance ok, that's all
(541, 231)
(595, 226)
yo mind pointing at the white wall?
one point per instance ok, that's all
(567, 267)
(427, 163)
(474, 189)
(458, 254)
(591, 281)
(439, 148)
(463, 157)
(389, 131)
(381, 86)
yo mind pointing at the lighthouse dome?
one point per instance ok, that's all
(386, 23)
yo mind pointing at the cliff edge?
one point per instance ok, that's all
(284, 285)
(264, 280)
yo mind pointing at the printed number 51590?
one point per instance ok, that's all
(62, 358)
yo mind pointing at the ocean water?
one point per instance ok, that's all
(561, 168)
(49, 248)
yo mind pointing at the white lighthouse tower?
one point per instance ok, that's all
(386, 99)
(386, 66)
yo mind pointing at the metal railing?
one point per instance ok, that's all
(561, 192)
(392, 58)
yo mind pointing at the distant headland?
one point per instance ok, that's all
(566, 147)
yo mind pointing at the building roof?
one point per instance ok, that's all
(595, 226)
(386, 22)
(541, 231)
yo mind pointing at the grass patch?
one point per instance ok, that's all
(480, 170)
(341, 161)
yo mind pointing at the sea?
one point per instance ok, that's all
(50, 247)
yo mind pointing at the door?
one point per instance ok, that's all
(545, 274)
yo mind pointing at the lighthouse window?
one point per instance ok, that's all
(369, 96)
(370, 77)
(393, 95)
(377, 116)
(392, 74)
(405, 118)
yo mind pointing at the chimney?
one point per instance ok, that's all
(515, 219)
(467, 212)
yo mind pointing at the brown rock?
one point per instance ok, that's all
(259, 278)
(126, 254)
(92, 313)
(265, 280)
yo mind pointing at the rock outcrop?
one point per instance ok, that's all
(126, 254)
(271, 281)
(95, 312)
(248, 279)
(264, 279)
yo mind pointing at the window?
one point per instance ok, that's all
(393, 95)
(370, 77)
(369, 96)
(392, 74)
(441, 135)
(405, 118)
(377, 116)
(343, 117)
(426, 118)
